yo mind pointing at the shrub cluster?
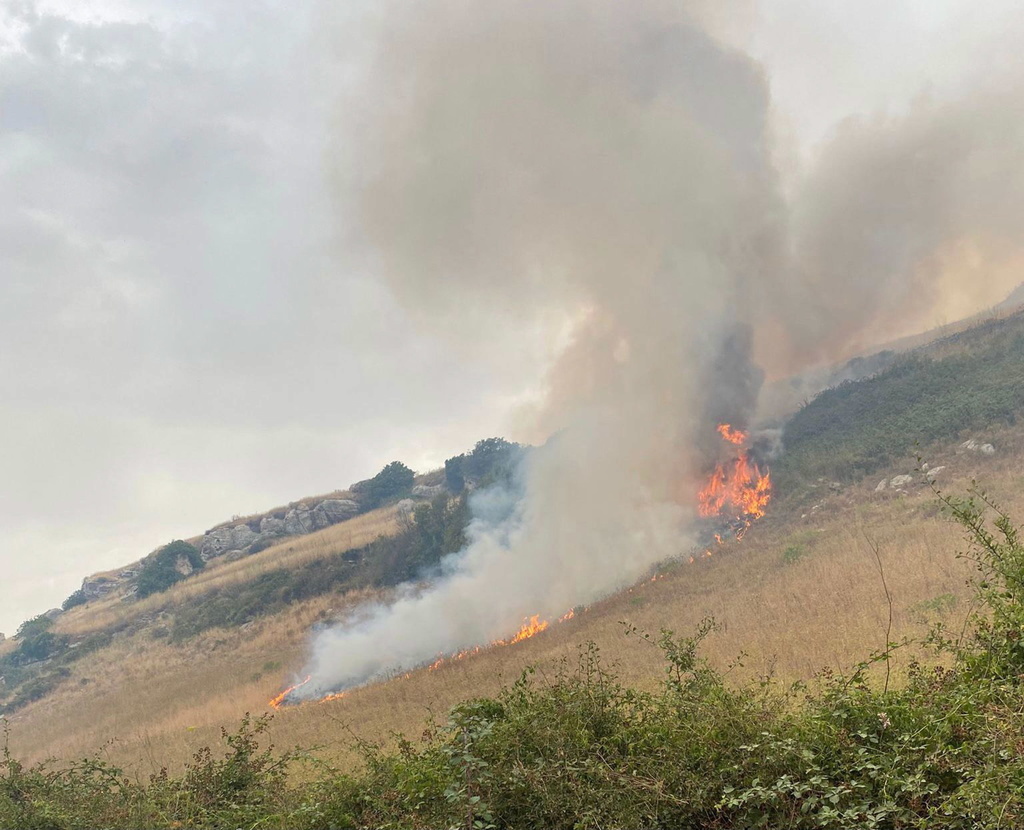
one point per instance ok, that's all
(171, 564)
(490, 459)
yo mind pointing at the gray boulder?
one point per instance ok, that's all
(987, 449)
(331, 511)
(271, 527)
(183, 566)
(883, 485)
(901, 481)
(297, 521)
(427, 491)
(934, 473)
(224, 539)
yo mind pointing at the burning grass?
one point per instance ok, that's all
(791, 615)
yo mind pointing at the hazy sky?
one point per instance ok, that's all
(177, 340)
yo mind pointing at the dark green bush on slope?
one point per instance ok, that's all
(390, 484)
(490, 459)
(579, 750)
(169, 565)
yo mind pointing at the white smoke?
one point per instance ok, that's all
(611, 161)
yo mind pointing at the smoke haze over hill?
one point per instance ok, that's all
(614, 164)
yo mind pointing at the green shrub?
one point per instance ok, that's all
(168, 566)
(794, 553)
(392, 483)
(75, 599)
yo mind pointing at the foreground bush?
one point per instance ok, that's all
(580, 750)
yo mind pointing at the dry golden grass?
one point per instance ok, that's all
(224, 573)
(825, 609)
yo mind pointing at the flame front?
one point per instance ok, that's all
(277, 702)
(737, 489)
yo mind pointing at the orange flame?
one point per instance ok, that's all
(733, 436)
(531, 627)
(738, 487)
(278, 701)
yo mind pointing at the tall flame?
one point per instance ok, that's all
(738, 488)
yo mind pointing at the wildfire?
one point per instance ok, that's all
(738, 488)
(733, 436)
(278, 701)
(531, 627)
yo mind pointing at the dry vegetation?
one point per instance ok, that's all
(800, 593)
(224, 573)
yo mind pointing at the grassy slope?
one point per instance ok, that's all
(801, 592)
(826, 608)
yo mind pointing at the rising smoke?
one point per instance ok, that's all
(613, 161)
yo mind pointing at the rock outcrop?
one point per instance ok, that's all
(977, 446)
(297, 520)
(331, 511)
(96, 587)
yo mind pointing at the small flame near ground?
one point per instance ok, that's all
(531, 627)
(737, 490)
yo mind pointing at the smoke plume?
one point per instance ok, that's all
(611, 164)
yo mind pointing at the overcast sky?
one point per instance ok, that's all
(178, 342)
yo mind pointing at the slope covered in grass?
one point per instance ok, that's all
(970, 381)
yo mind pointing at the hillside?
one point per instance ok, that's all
(164, 672)
(854, 553)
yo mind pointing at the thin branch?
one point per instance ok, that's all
(888, 598)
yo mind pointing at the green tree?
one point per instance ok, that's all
(391, 483)
(167, 566)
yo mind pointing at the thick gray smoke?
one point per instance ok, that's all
(612, 163)
(906, 223)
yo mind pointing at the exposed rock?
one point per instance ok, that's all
(924, 467)
(901, 481)
(934, 473)
(406, 506)
(883, 485)
(331, 511)
(183, 566)
(835, 487)
(95, 587)
(297, 521)
(128, 573)
(976, 446)
(53, 613)
(271, 527)
(223, 539)
(426, 491)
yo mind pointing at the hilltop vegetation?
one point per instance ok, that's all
(972, 380)
(581, 749)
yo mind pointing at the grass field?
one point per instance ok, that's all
(801, 592)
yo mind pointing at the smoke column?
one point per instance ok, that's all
(613, 161)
